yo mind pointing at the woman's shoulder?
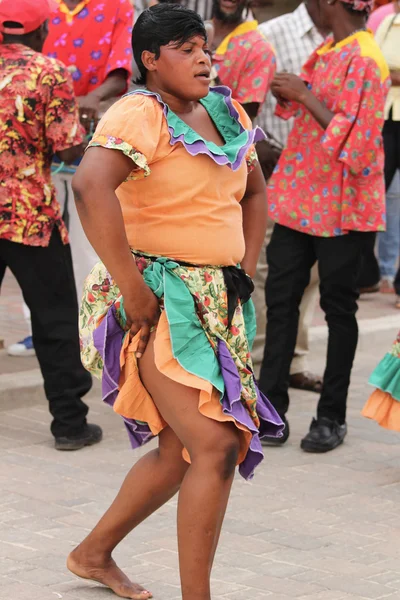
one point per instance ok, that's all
(135, 103)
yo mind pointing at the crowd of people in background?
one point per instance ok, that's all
(289, 166)
(92, 42)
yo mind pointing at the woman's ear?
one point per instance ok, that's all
(149, 60)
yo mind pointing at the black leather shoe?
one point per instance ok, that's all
(324, 435)
(274, 441)
(92, 434)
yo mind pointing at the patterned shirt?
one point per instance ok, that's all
(38, 117)
(330, 182)
(93, 40)
(245, 62)
(294, 38)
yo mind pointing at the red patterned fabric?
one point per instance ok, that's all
(38, 117)
(92, 40)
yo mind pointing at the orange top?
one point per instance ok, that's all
(174, 203)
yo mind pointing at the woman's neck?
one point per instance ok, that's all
(343, 29)
(177, 105)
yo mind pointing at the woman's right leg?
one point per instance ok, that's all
(213, 448)
(154, 479)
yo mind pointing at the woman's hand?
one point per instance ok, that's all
(288, 87)
(142, 313)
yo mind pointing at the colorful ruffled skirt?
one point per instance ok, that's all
(383, 405)
(193, 346)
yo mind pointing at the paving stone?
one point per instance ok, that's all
(307, 528)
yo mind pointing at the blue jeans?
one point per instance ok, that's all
(389, 240)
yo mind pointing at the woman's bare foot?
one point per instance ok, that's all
(105, 571)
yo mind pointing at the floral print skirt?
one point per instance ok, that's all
(193, 345)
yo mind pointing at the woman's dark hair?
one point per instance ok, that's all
(159, 26)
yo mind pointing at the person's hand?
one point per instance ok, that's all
(289, 87)
(89, 107)
(268, 157)
(142, 313)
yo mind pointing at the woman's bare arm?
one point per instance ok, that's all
(255, 217)
(100, 173)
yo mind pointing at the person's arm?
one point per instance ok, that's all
(255, 217)
(260, 66)
(100, 173)
(70, 155)
(64, 133)
(268, 156)
(119, 66)
(292, 88)
(114, 85)
(252, 109)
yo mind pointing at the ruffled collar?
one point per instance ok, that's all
(218, 103)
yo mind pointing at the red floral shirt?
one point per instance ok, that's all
(38, 117)
(246, 63)
(330, 182)
(92, 40)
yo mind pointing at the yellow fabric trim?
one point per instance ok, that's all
(332, 46)
(240, 30)
(368, 46)
(70, 14)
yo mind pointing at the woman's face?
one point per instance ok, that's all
(184, 71)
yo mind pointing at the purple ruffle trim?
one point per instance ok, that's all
(199, 146)
(270, 422)
(108, 339)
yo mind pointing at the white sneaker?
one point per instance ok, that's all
(22, 348)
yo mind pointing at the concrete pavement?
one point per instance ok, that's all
(307, 528)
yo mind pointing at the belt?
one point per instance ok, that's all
(239, 285)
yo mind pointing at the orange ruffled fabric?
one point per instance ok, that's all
(134, 401)
(384, 409)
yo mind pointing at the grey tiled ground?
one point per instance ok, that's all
(307, 528)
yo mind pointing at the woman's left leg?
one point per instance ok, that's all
(151, 482)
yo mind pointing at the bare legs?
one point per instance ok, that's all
(153, 481)
(204, 492)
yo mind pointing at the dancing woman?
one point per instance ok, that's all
(172, 198)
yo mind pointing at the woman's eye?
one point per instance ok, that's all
(187, 50)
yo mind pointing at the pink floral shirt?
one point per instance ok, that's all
(330, 182)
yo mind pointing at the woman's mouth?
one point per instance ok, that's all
(204, 76)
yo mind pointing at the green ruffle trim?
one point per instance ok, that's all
(386, 376)
(188, 338)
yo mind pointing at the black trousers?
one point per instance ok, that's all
(45, 276)
(370, 273)
(290, 256)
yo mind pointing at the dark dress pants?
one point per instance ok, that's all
(291, 255)
(45, 276)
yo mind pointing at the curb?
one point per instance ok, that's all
(25, 388)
